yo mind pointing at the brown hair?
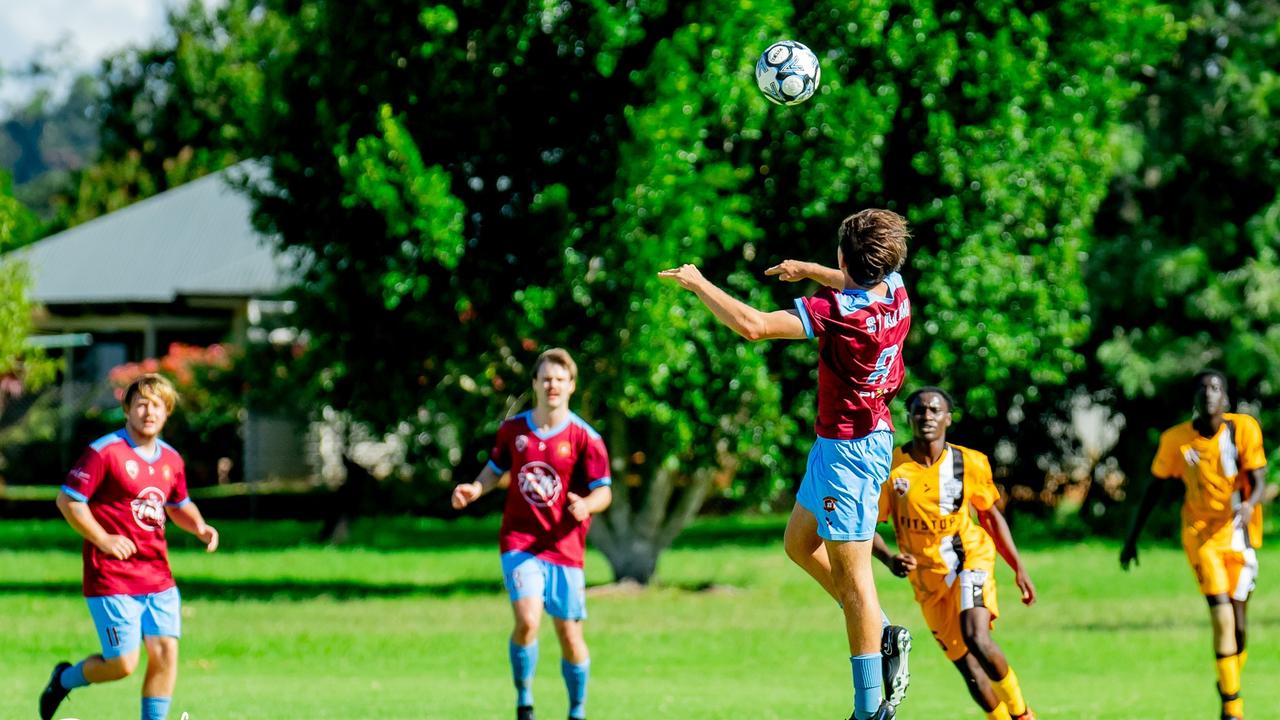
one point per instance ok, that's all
(873, 243)
(560, 357)
(151, 385)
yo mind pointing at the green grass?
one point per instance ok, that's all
(409, 621)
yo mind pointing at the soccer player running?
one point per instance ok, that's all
(949, 558)
(1218, 456)
(560, 478)
(117, 497)
(860, 319)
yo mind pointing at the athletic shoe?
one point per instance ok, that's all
(54, 693)
(1028, 715)
(895, 644)
(524, 712)
(886, 712)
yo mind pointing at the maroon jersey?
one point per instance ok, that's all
(545, 467)
(860, 336)
(127, 494)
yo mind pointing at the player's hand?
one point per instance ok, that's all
(577, 507)
(687, 275)
(1245, 513)
(903, 563)
(1026, 586)
(118, 547)
(1129, 554)
(465, 494)
(789, 270)
(209, 536)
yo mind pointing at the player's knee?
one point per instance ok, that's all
(163, 652)
(526, 630)
(118, 668)
(978, 640)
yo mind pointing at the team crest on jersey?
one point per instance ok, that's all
(131, 467)
(168, 473)
(565, 450)
(539, 484)
(148, 508)
(522, 442)
(829, 504)
(901, 485)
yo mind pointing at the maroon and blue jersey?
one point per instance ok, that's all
(127, 494)
(860, 336)
(545, 467)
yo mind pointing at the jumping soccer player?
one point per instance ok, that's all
(950, 559)
(117, 497)
(560, 478)
(860, 319)
(1218, 456)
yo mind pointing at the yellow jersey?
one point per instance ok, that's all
(1214, 470)
(930, 509)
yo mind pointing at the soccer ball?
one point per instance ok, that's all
(787, 72)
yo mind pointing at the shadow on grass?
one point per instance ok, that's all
(284, 589)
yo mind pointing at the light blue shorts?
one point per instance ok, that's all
(841, 485)
(563, 589)
(123, 620)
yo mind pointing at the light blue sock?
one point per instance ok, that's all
(524, 660)
(73, 677)
(575, 681)
(155, 708)
(867, 690)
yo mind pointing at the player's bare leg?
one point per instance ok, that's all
(161, 677)
(979, 685)
(807, 550)
(575, 664)
(856, 591)
(975, 627)
(98, 669)
(1223, 617)
(1240, 609)
(524, 652)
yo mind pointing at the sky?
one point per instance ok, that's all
(92, 29)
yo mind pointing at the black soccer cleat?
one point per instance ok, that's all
(524, 712)
(895, 645)
(886, 712)
(54, 693)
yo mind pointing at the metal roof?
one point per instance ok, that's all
(195, 239)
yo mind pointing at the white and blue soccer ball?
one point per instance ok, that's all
(787, 72)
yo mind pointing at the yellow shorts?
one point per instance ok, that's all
(1221, 569)
(941, 606)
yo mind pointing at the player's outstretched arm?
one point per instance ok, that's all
(467, 493)
(797, 270)
(992, 520)
(1150, 496)
(187, 516)
(81, 519)
(739, 317)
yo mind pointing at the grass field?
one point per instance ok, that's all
(409, 621)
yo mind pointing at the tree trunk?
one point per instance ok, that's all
(632, 541)
(346, 503)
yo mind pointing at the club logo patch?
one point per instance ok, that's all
(131, 467)
(565, 450)
(168, 473)
(901, 485)
(539, 484)
(522, 442)
(148, 509)
(829, 503)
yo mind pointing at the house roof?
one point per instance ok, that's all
(195, 239)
